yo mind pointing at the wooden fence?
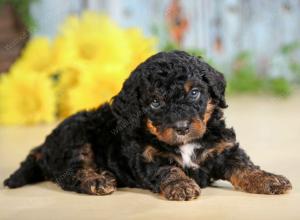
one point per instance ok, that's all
(221, 28)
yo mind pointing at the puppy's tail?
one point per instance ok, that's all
(29, 171)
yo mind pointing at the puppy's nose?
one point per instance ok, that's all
(182, 127)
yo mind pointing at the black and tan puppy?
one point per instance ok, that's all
(164, 132)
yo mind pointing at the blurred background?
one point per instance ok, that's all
(58, 57)
(61, 56)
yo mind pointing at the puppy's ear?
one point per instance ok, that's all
(126, 106)
(217, 85)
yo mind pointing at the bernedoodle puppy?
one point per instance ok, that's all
(164, 131)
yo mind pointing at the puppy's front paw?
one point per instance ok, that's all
(275, 184)
(261, 182)
(180, 190)
(102, 184)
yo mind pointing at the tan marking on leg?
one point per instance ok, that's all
(95, 183)
(86, 154)
(150, 153)
(92, 181)
(258, 181)
(217, 149)
(178, 186)
(36, 153)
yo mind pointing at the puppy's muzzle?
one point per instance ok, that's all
(182, 127)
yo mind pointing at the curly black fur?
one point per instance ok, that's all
(135, 143)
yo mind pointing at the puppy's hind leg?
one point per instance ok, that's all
(28, 172)
(87, 181)
(83, 176)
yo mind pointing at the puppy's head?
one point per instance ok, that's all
(172, 95)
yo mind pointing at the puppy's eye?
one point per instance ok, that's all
(155, 104)
(195, 93)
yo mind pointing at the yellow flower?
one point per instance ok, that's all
(26, 98)
(141, 47)
(89, 59)
(35, 57)
(91, 92)
(87, 87)
(95, 57)
(68, 79)
(91, 39)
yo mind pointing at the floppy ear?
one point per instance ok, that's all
(217, 85)
(126, 106)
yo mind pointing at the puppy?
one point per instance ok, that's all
(164, 132)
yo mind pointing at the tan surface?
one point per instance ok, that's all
(269, 129)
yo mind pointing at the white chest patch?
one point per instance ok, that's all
(188, 154)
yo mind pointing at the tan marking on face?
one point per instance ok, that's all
(188, 86)
(166, 135)
(151, 127)
(208, 112)
(198, 127)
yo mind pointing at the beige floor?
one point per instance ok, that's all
(268, 128)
